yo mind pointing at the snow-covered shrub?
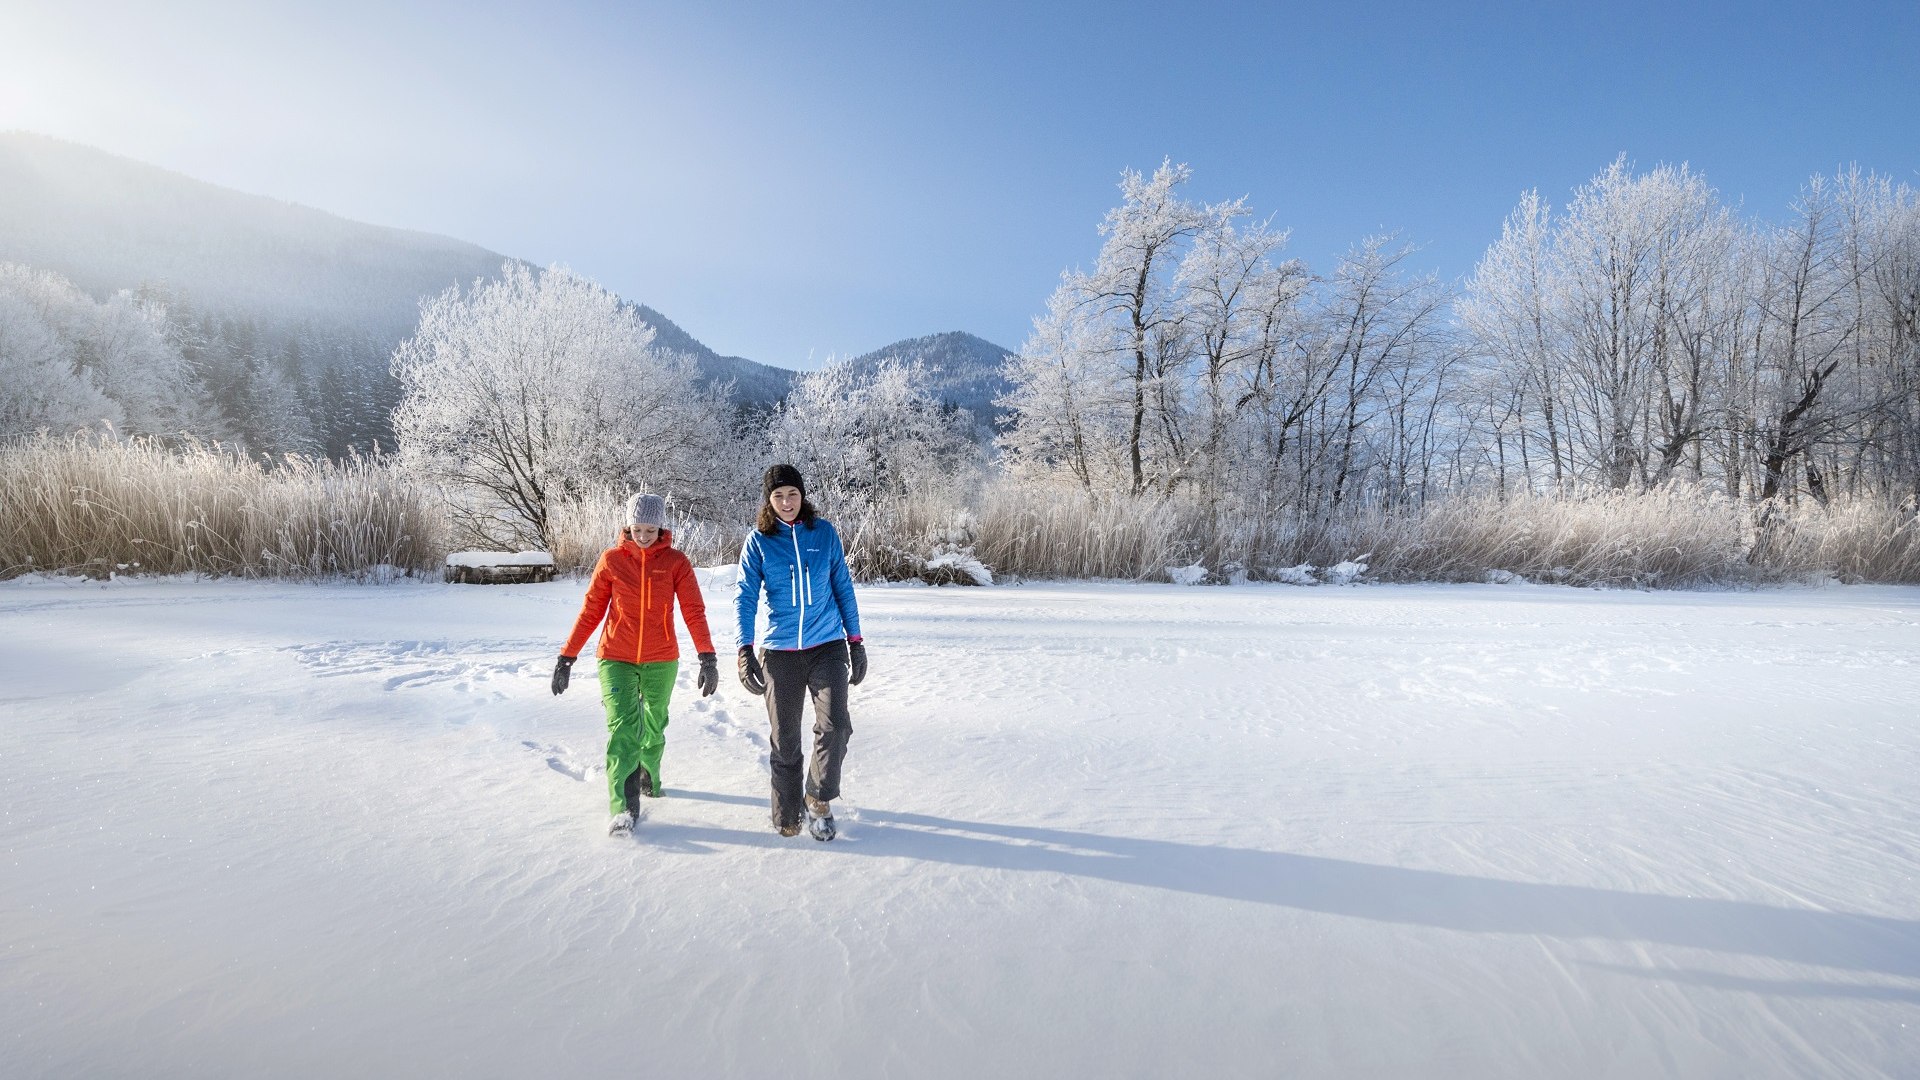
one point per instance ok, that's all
(945, 566)
(955, 566)
(1296, 575)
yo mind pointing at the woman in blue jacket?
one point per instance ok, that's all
(811, 648)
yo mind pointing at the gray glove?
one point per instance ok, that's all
(751, 677)
(856, 662)
(562, 672)
(709, 679)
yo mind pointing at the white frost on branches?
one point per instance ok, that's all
(870, 442)
(69, 362)
(539, 388)
(1643, 334)
(1196, 362)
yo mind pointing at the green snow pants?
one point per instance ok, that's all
(636, 698)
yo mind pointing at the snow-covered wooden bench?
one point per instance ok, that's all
(498, 567)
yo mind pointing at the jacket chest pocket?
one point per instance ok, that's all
(780, 585)
(659, 598)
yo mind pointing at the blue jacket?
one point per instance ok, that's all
(803, 570)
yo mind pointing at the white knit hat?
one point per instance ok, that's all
(647, 510)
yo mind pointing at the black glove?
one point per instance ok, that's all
(709, 679)
(751, 676)
(562, 671)
(856, 662)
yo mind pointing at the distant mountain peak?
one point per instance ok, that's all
(963, 369)
(754, 383)
(107, 223)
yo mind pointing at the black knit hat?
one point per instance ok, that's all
(782, 476)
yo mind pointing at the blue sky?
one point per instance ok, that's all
(794, 180)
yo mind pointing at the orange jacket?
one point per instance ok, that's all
(633, 589)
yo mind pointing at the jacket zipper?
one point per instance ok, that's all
(800, 571)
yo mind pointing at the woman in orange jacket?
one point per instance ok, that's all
(634, 586)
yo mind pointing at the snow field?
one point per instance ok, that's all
(1089, 829)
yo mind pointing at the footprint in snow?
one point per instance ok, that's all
(466, 666)
(558, 760)
(720, 721)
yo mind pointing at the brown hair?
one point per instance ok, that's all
(768, 522)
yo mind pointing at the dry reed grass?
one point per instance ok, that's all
(1857, 540)
(1676, 537)
(580, 529)
(100, 506)
(1040, 532)
(906, 540)
(1673, 537)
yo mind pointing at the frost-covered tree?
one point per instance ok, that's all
(1067, 408)
(1807, 329)
(142, 370)
(1381, 333)
(1632, 250)
(1241, 308)
(39, 388)
(1194, 362)
(70, 361)
(868, 442)
(1138, 301)
(1885, 219)
(1510, 308)
(1610, 326)
(272, 416)
(1119, 335)
(538, 387)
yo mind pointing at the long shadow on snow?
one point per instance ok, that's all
(1385, 893)
(1787, 988)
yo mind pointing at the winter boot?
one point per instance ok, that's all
(639, 782)
(785, 828)
(819, 820)
(621, 825)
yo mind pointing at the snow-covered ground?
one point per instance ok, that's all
(1090, 830)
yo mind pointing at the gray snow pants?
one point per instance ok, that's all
(793, 675)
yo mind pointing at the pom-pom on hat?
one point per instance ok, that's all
(647, 510)
(782, 476)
